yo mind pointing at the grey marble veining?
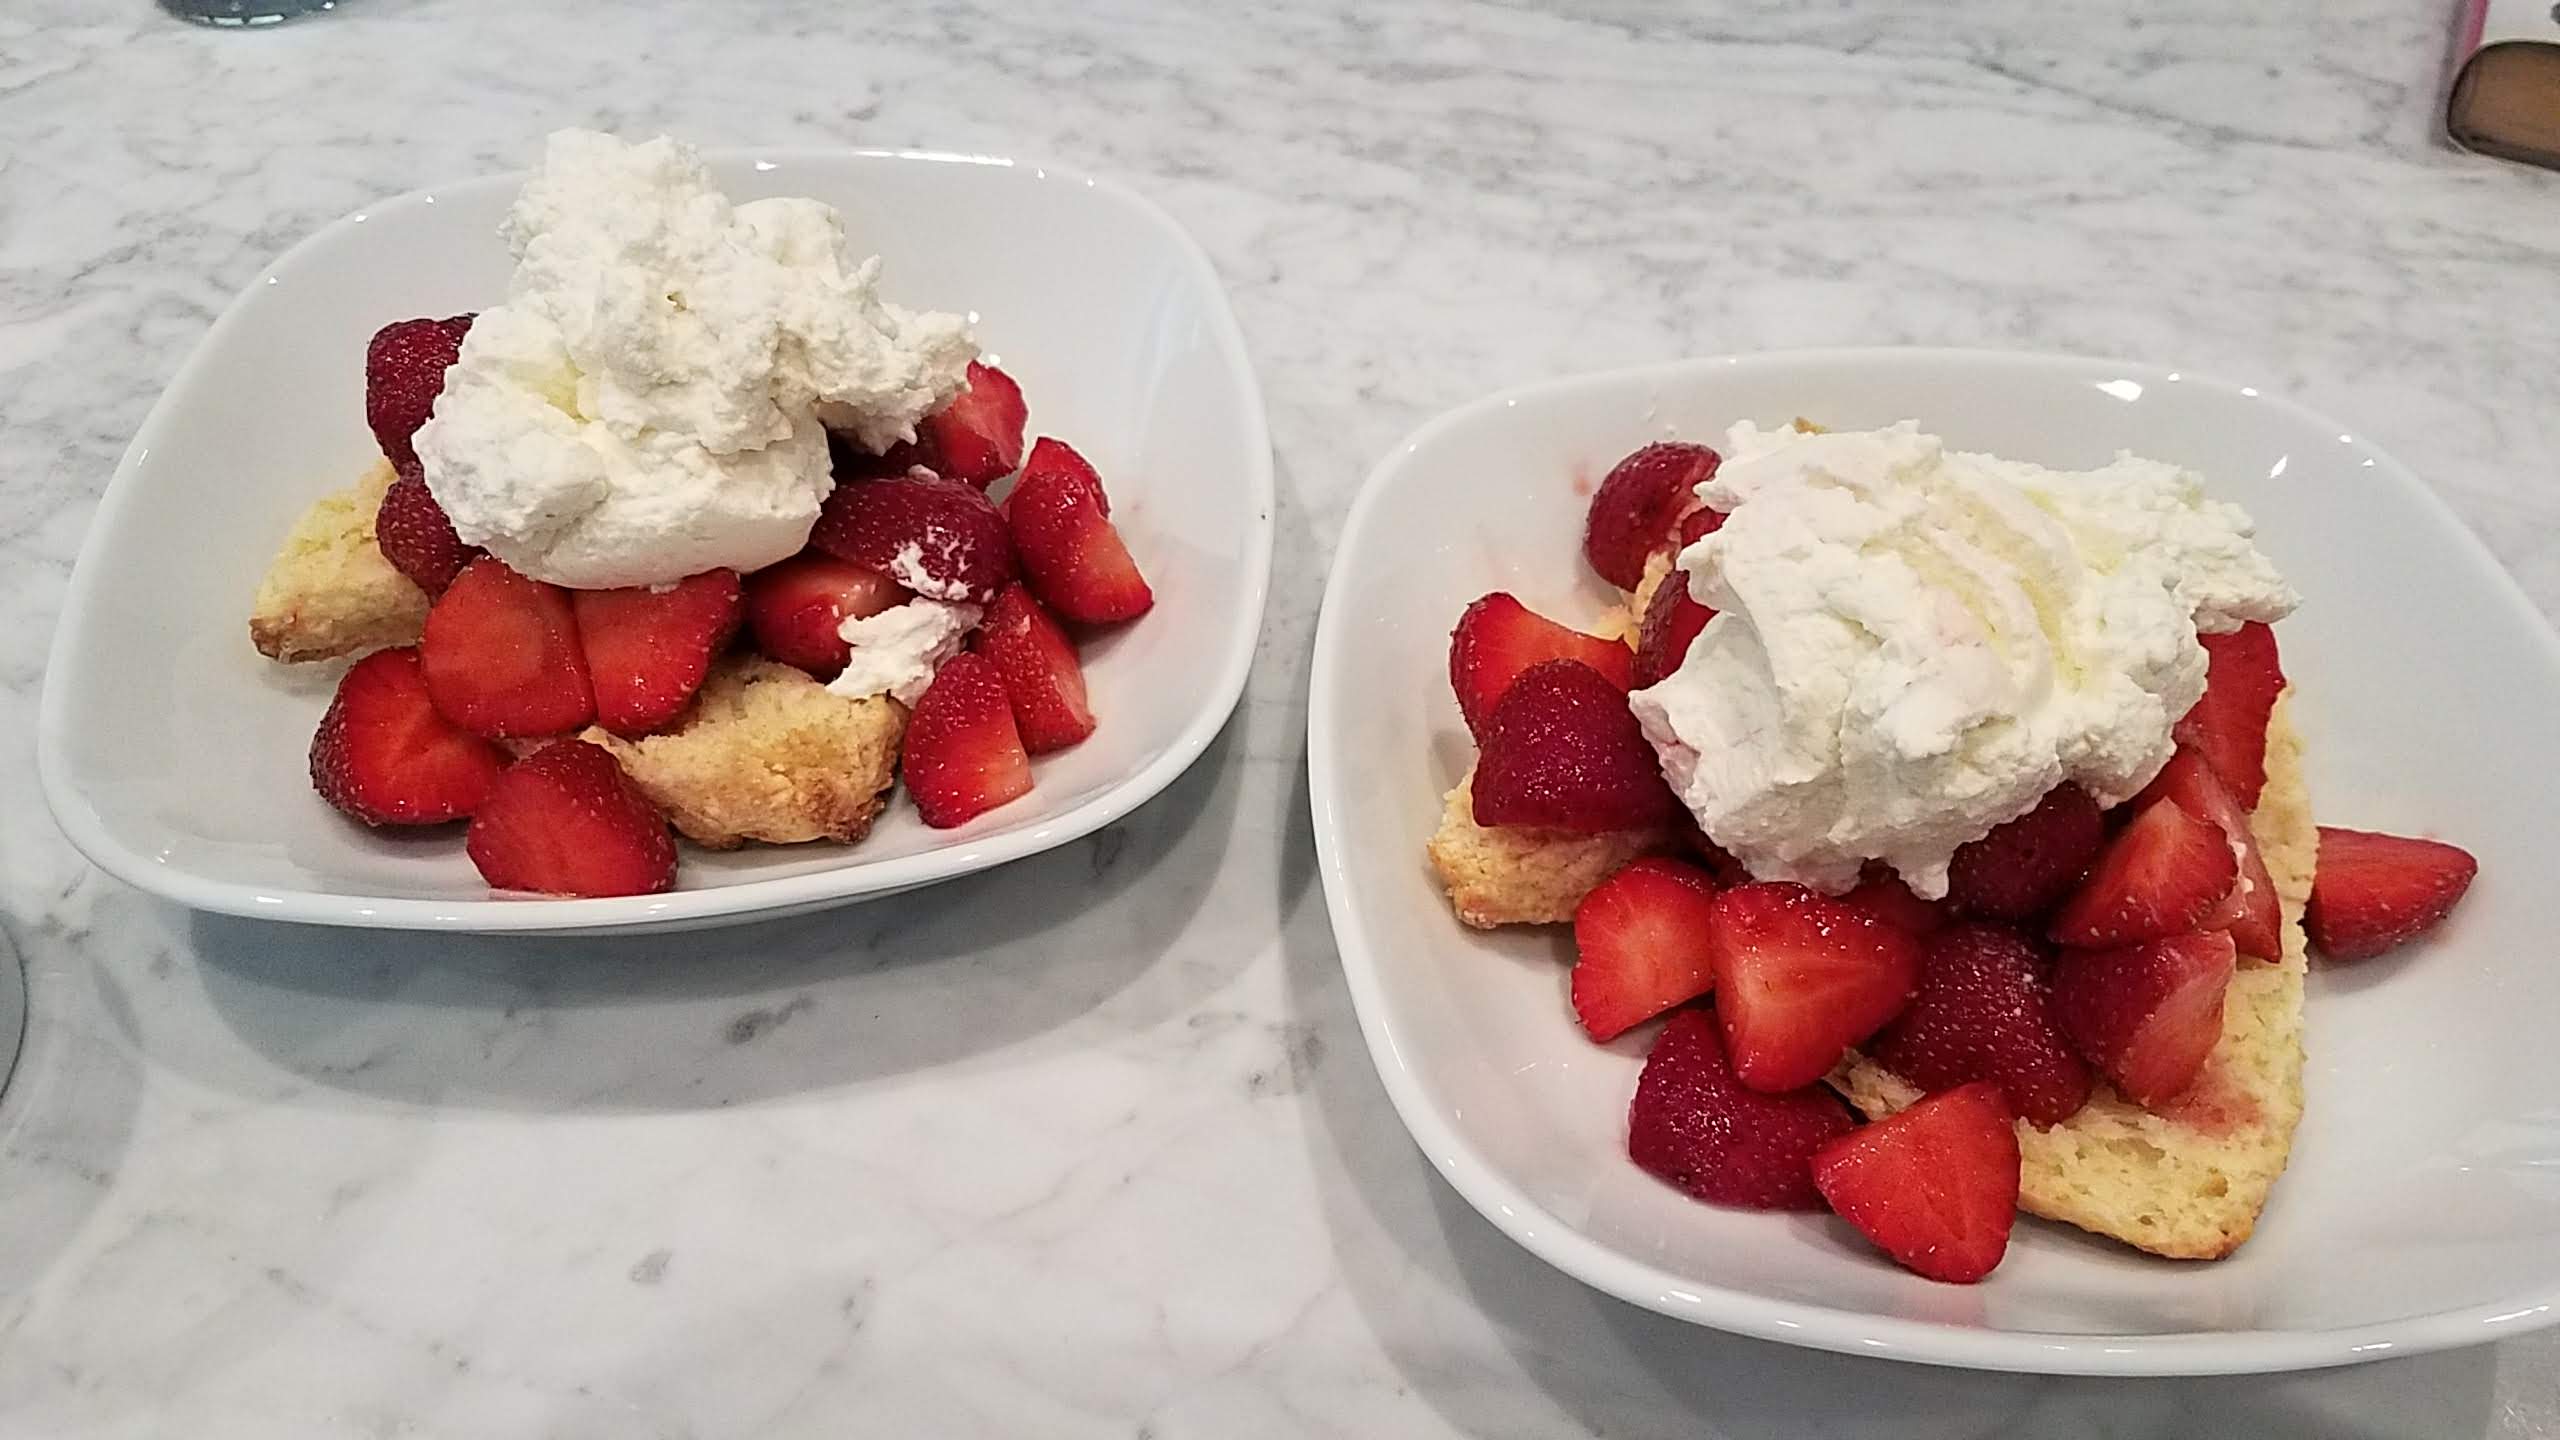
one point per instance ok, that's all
(1089, 1145)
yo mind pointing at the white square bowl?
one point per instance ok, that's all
(175, 756)
(2422, 1208)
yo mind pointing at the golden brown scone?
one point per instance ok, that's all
(766, 753)
(329, 592)
(1516, 875)
(2188, 1184)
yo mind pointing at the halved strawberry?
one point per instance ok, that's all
(1983, 1014)
(939, 538)
(2229, 723)
(416, 536)
(565, 820)
(1640, 945)
(2372, 892)
(2146, 1015)
(385, 756)
(648, 648)
(964, 756)
(1801, 978)
(977, 438)
(1636, 505)
(2024, 867)
(1671, 621)
(404, 365)
(2157, 877)
(501, 655)
(1041, 674)
(1936, 1186)
(1498, 637)
(1562, 750)
(1882, 894)
(796, 609)
(1072, 556)
(1695, 1126)
(2251, 911)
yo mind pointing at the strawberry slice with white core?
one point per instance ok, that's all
(2252, 912)
(964, 755)
(648, 647)
(501, 655)
(2229, 723)
(977, 438)
(565, 820)
(796, 609)
(1042, 676)
(1498, 637)
(1640, 944)
(1072, 556)
(386, 756)
(1800, 978)
(1935, 1187)
(2146, 1015)
(2158, 877)
(2374, 892)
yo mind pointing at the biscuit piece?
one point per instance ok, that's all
(2188, 1184)
(1519, 875)
(766, 753)
(329, 592)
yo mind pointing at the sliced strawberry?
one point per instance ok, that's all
(1697, 525)
(1935, 1187)
(2157, 877)
(964, 756)
(2251, 911)
(404, 365)
(2025, 867)
(417, 537)
(2146, 1015)
(1801, 978)
(501, 655)
(565, 820)
(848, 461)
(648, 648)
(796, 609)
(977, 438)
(1637, 503)
(2229, 723)
(1498, 637)
(1694, 1125)
(1562, 750)
(1671, 621)
(1983, 1014)
(1640, 945)
(939, 538)
(1882, 894)
(2372, 892)
(1072, 556)
(384, 756)
(1041, 674)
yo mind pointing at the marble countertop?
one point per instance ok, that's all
(1089, 1146)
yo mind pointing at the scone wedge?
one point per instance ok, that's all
(329, 593)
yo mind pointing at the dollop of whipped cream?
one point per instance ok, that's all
(1912, 644)
(896, 652)
(651, 401)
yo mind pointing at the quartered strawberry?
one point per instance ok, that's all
(1640, 945)
(2229, 724)
(964, 755)
(1562, 750)
(1882, 894)
(416, 536)
(1041, 674)
(2146, 1015)
(1671, 621)
(2251, 911)
(2025, 867)
(1072, 556)
(1983, 1014)
(1694, 1125)
(1801, 978)
(1935, 1187)
(2372, 892)
(939, 538)
(977, 438)
(565, 820)
(2157, 877)
(501, 655)
(1637, 504)
(1498, 637)
(796, 609)
(404, 365)
(648, 648)
(385, 756)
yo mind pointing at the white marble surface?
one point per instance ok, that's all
(1089, 1146)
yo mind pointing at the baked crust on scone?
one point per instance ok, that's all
(329, 592)
(767, 753)
(1522, 875)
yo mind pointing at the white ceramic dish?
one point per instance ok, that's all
(2422, 1209)
(174, 756)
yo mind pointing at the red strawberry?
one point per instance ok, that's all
(2157, 877)
(648, 649)
(1637, 504)
(2146, 1015)
(936, 537)
(1800, 979)
(1041, 675)
(384, 756)
(2229, 724)
(501, 655)
(416, 537)
(977, 438)
(1982, 1014)
(1071, 555)
(1671, 621)
(2372, 892)
(797, 609)
(1640, 945)
(1695, 1126)
(404, 367)
(1882, 894)
(1936, 1186)
(2251, 911)
(964, 756)
(1561, 749)
(565, 820)
(1719, 863)
(848, 461)
(2025, 866)
(1697, 525)
(1498, 637)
